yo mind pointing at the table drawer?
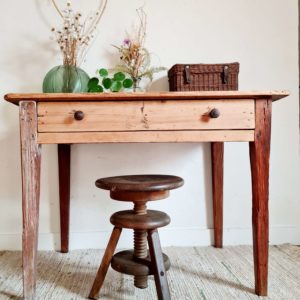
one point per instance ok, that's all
(144, 115)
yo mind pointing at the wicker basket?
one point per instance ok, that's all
(204, 77)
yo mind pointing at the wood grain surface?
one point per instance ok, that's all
(160, 275)
(201, 95)
(31, 168)
(64, 175)
(259, 157)
(142, 115)
(147, 137)
(217, 154)
(109, 252)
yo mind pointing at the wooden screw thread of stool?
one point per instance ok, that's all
(140, 245)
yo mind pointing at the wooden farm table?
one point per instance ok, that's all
(217, 117)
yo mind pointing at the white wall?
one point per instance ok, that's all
(261, 35)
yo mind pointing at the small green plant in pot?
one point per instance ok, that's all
(117, 82)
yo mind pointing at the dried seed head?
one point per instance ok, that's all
(75, 35)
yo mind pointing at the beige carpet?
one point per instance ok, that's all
(196, 274)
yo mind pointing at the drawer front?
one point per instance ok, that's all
(145, 115)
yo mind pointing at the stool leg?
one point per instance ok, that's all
(110, 249)
(157, 261)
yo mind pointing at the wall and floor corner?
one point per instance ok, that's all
(261, 35)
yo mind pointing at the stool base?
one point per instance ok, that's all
(125, 262)
(158, 261)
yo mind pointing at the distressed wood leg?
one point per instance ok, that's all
(259, 157)
(110, 249)
(160, 276)
(31, 166)
(217, 155)
(64, 168)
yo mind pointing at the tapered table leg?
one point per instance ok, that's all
(31, 166)
(64, 168)
(259, 157)
(217, 157)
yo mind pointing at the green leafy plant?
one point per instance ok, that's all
(117, 82)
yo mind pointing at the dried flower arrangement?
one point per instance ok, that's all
(74, 40)
(75, 36)
(135, 59)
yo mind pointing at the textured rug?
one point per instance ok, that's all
(196, 274)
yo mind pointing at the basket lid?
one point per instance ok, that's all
(204, 68)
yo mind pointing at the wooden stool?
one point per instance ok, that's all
(138, 189)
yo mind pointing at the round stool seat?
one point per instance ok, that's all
(129, 219)
(125, 262)
(140, 183)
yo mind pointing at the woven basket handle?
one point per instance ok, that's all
(225, 74)
(188, 79)
(187, 74)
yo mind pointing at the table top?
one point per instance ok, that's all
(201, 95)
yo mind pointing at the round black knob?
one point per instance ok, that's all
(79, 115)
(214, 113)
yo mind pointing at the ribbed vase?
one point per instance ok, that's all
(66, 79)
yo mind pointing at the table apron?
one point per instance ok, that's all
(146, 137)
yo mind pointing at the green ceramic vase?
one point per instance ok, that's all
(66, 79)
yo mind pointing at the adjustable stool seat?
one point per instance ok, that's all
(138, 189)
